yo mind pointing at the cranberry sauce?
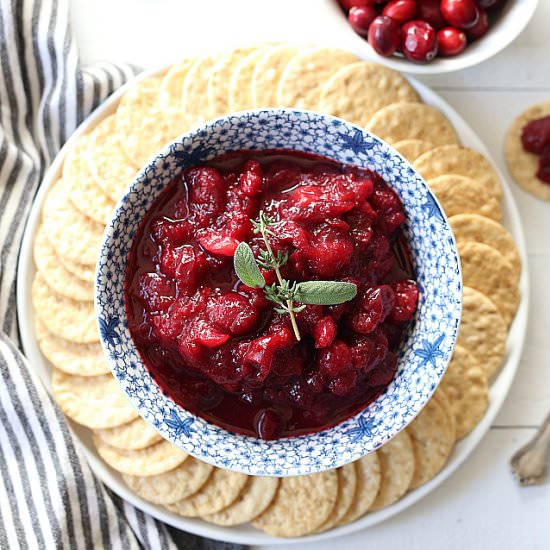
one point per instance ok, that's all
(535, 138)
(218, 347)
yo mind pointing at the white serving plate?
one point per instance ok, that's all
(515, 16)
(247, 534)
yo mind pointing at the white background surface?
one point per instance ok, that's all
(480, 506)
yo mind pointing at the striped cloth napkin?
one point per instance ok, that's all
(49, 498)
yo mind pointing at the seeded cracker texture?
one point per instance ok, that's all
(72, 320)
(70, 357)
(347, 485)
(466, 385)
(455, 159)
(133, 435)
(357, 91)
(397, 464)
(479, 229)
(171, 486)
(107, 162)
(369, 477)
(411, 149)
(156, 459)
(306, 73)
(523, 165)
(72, 234)
(433, 440)
(56, 276)
(85, 194)
(460, 194)
(488, 271)
(482, 330)
(93, 401)
(302, 504)
(400, 121)
(220, 491)
(267, 75)
(255, 497)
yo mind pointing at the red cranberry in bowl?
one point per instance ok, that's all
(400, 10)
(480, 28)
(360, 19)
(451, 41)
(348, 4)
(462, 14)
(418, 41)
(384, 35)
(488, 4)
(430, 11)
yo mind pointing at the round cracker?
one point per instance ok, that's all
(411, 149)
(107, 162)
(83, 272)
(455, 159)
(306, 73)
(347, 485)
(171, 87)
(171, 486)
(240, 86)
(301, 505)
(70, 319)
(72, 234)
(524, 165)
(56, 276)
(154, 460)
(443, 399)
(133, 435)
(93, 401)
(220, 78)
(194, 97)
(70, 357)
(433, 441)
(267, 75)
(142, 126)
(357, 91)
(220, 491)
(466, 385)
(400, 121)
(463, 195)
(256, 496)
(482, 330)
(472, 227)
(397, 464)
(369, 477)
(85, 193)
(487, 270)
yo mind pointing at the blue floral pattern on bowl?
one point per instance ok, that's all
(424, 353)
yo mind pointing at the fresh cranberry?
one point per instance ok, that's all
(406, 298)
(400, 10)
(384, 35)
(488, 4)
(462, 14)
(481, 27)
(349, 4)
(418, 41)
(535, 135)
(451, 41)
(360, 19)
(543, 172)
(430, 11)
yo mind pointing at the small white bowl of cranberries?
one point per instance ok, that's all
(434, 36)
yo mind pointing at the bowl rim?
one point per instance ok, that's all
(248, 466)
(514, 18)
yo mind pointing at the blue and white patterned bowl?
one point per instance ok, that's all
(425, 351)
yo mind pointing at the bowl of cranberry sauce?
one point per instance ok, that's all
(278, 293)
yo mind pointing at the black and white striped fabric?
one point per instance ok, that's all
(49, 498)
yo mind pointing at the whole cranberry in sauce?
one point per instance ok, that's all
(418, 41)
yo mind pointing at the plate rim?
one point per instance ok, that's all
(246, 534)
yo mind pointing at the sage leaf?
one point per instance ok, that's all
(246, 267)
(325, 293)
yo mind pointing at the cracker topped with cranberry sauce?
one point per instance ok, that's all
(220, 348)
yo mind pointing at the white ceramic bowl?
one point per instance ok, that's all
(510, 23)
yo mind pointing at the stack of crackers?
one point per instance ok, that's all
(96, 173)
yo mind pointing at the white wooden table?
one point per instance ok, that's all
(480, 506)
